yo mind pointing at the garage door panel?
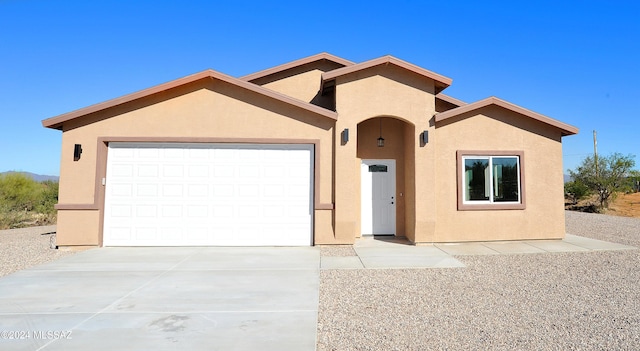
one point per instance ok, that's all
(208, 194)
(198, 171)
(146, 234)
(148, 153)
(121, 170)
(146, 211)
(171, 211)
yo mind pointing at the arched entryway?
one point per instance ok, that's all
(386, 152)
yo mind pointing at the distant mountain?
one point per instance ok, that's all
(36, 177)
(567, 178)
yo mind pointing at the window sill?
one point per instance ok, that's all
(490, 207)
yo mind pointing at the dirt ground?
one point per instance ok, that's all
(626, 205)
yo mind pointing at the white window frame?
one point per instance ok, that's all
(491, 183)
(490, 204)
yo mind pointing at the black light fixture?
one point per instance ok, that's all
(424, 137)
(345, 136)
(381, 139)
(77, 151)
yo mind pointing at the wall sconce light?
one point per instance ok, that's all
(77, 151)
(345, 136)
(424, 137)
(380, 139)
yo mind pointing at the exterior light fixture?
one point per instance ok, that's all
(380, 139)
(77, 151)
(345, 136)
(424, 137)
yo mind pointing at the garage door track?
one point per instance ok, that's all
(165, 299)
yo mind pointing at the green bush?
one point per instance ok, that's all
(48, 197)
(25, 202)
(577, 190)
(19, 192)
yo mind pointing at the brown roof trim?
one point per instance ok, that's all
(296, 63)
(441, 81)
(451, 100)
(566, 128)
(56, 122)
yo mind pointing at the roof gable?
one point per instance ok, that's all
(58, 121)
(441, 82)
(295, 64)
(566, 129)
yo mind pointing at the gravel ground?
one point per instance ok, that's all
(27, 247)
(337, 250)
(563, 301)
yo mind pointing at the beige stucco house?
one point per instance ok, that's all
(316, 151)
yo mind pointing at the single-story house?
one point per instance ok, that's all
(320, 150)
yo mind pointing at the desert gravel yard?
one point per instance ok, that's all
(551, 301)
(26, 247)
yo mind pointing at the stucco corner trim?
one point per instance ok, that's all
(323, 206)
(565, 129)
(494, 206)
(77, 207)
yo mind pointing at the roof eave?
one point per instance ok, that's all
(565, 129)
(441, 82)
(58, 121)
(451, 100)
(296, 63)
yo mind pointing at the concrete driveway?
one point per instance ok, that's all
(165, 299)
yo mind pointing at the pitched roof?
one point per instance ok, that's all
(57, 122)
(297, 63)
(451, 100)
(565, 128)
(441, 82)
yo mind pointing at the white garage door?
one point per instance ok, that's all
(208, 195)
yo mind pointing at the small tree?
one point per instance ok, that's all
(608, 178)
(576, 190)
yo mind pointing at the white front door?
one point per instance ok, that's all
(378, 202)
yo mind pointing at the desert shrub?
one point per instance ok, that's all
(25, 202)
(48, 197)
(15, 219)
(19, 192)
(576, 190)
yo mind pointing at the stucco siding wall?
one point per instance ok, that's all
(209, 110)
(78, 228)
(541, 144)
(385, 91)
(301, 82)
(303, 86)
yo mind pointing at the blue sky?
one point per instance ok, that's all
(575, 61)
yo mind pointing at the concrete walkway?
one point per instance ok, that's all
(386, 252)
(164, 299)
(205, 298)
